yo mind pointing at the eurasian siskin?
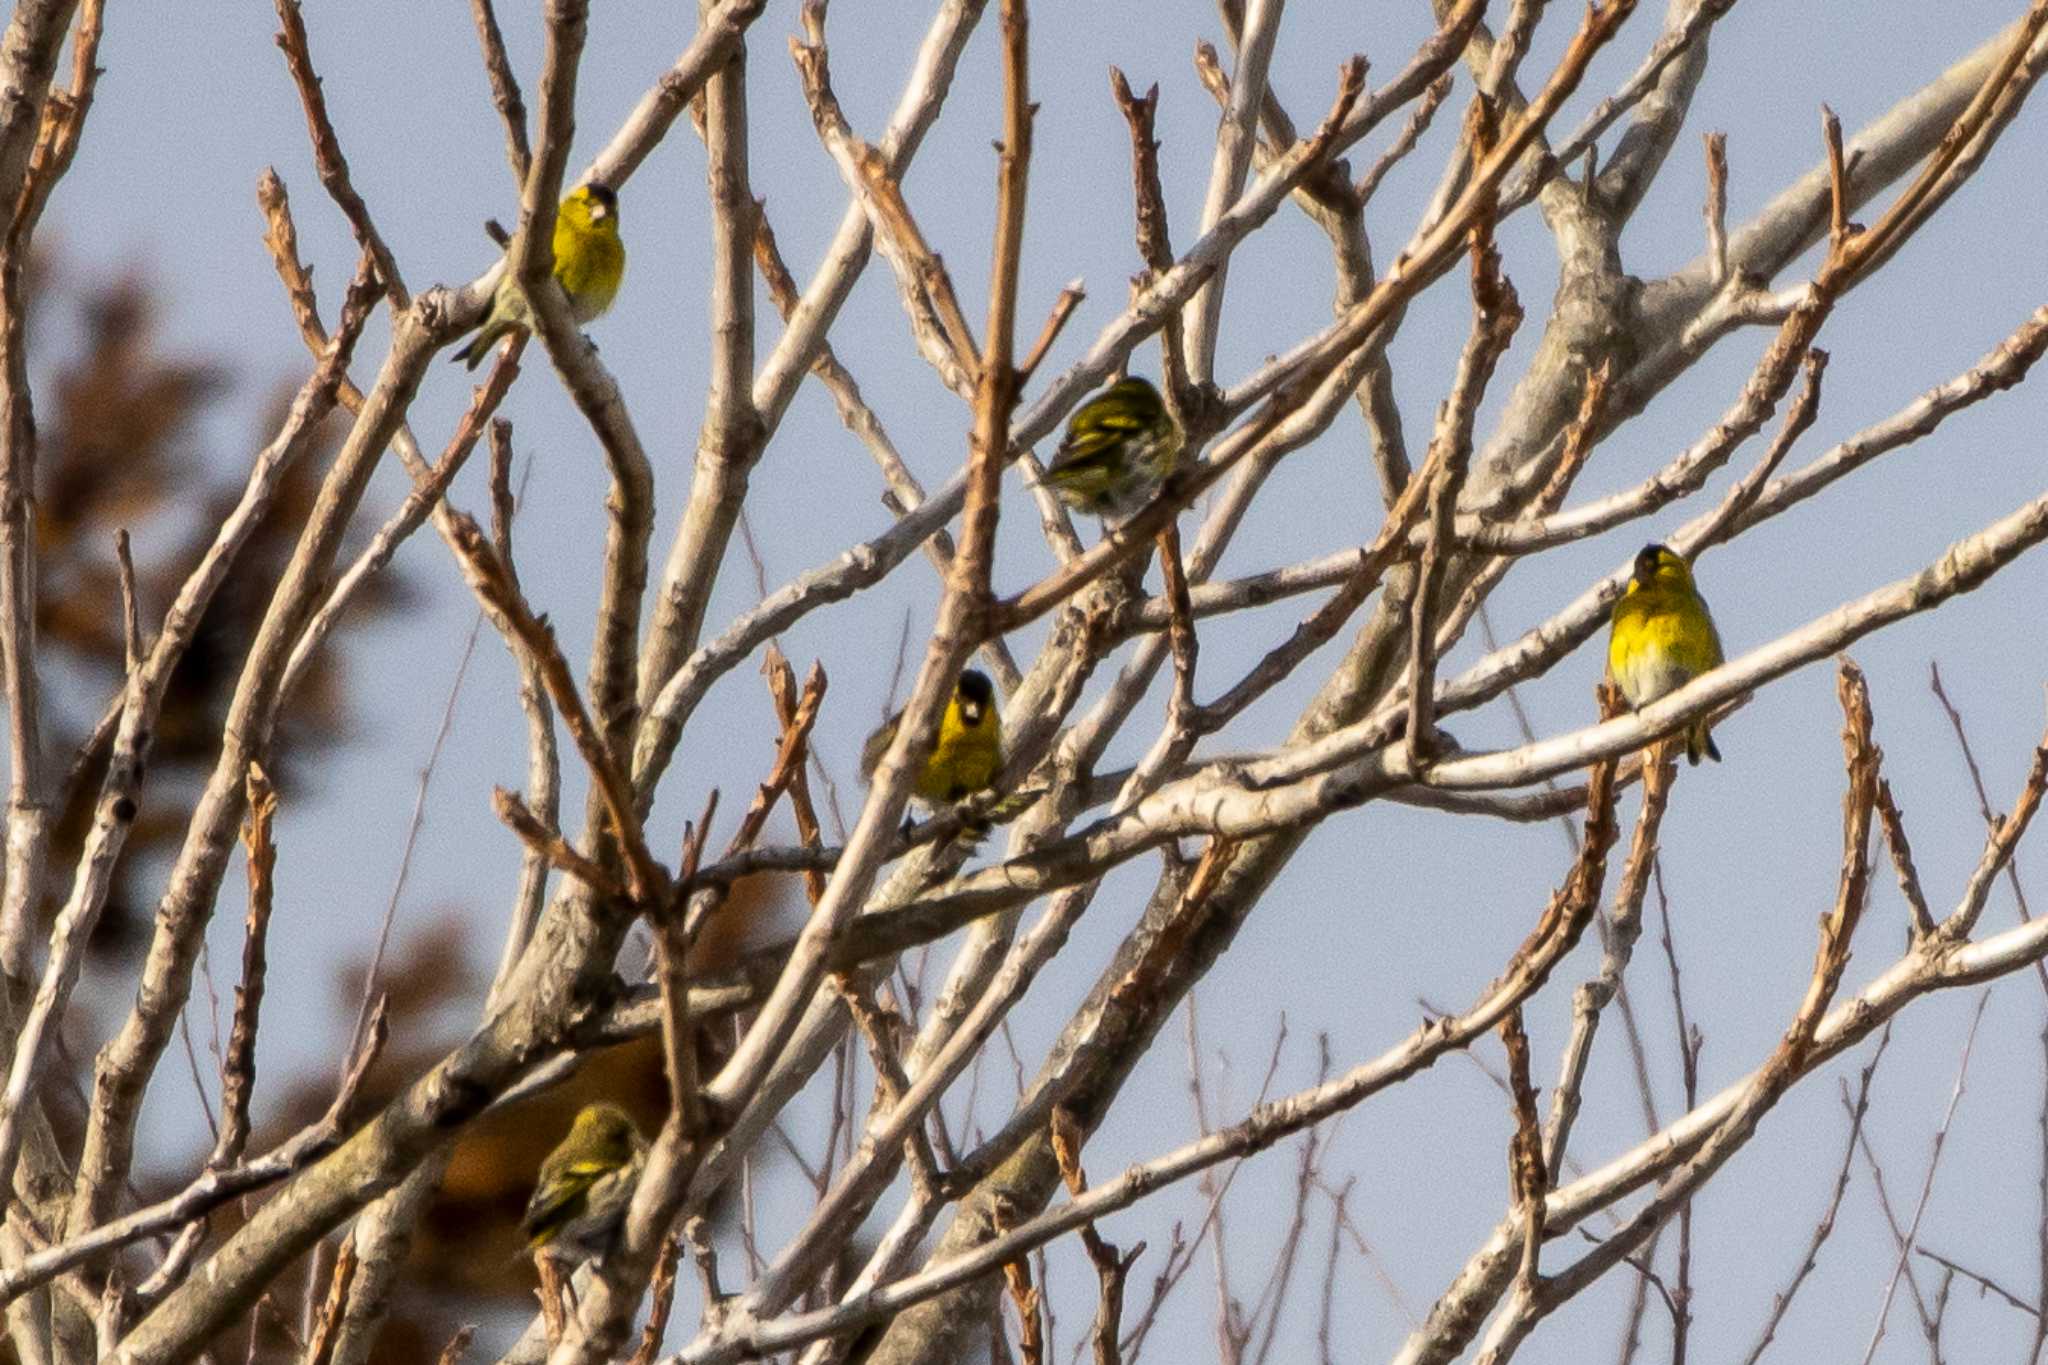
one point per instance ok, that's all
(590, 260)
(585, 1185)
(1119, 447)
(1663, 638)
(969, 750)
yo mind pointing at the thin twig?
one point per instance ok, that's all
(1984, 1282)
(63, 121)
(548, 843)
(1927, 1184)
(1991, 820)
(1716, 209)
(1893, 823)
(321, 1347)
(238, 1068)
(1690, 1042)
(1859, 1109)
(504, 88)
(1112, 1267)
(656, 1325)
(210, 1190)
(1528, 1179)
(1496, 313)
(328, 161)
(1155, 246)
(492, 581)
(1411, 132)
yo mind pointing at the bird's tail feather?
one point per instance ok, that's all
(1699, 741)
(479, 346)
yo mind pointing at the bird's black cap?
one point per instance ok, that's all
(974, 686)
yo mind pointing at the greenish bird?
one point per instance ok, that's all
(585, 1185)
(590, 260)
(1119, 447)
(1662, 638)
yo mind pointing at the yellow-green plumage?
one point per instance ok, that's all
(1119, 447)
(969, 749)
(590, 260)
(1662, 638)
(585, 1185)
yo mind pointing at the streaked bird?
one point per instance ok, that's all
(1119, 447)
(585, 1185)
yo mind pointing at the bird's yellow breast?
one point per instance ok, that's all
(1662, 639)
(589, 262)
(966, 757)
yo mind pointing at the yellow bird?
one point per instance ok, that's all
(590, 260)
(970, 747)
(585, 1185)
(1663, 638)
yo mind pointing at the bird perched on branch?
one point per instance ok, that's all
(590, 260)
(969, 749)
(585, 1185)
(1662, 638)
(1119, 447)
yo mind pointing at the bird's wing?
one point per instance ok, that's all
(1094, 439)
(557, 1192)
(878, 744)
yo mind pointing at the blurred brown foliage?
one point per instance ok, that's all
(129, 435)
(123, 447)
(468, 1260)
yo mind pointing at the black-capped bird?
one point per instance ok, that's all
(1662, 638)
(1119, 447)
(969, 750)
(590, 260)
(585, 1184)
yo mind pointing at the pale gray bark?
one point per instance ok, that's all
(1361, 738)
